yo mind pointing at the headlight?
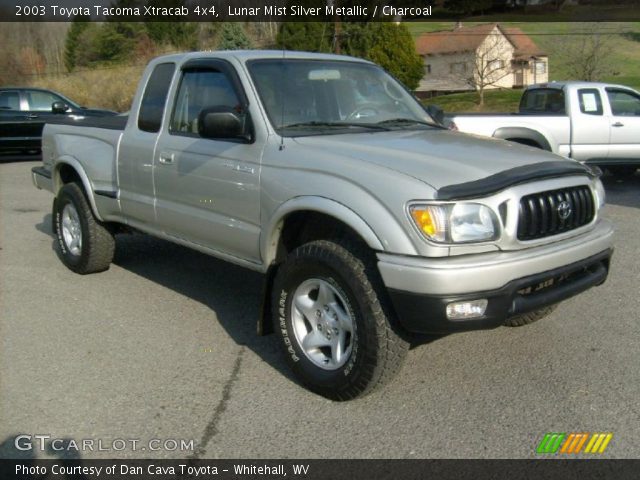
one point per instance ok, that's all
(600, 193)
(456, 223)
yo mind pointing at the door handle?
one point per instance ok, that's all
(618, 124)
(166, 158)
(31, 116)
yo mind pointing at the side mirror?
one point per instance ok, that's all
(59, 107)
(436, 113)
(221, 122)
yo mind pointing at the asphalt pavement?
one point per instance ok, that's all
(163, 346)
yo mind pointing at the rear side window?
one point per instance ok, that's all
(9, 100)
(590, 101)
(155, 97)
(549, 101)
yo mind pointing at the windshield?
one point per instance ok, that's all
(310, 97)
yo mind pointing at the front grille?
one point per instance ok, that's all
(553, 212)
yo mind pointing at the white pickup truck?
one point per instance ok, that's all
(370, 222)
(595, 123)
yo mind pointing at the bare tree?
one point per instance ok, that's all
(587, 54)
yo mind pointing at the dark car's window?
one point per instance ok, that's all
(623, 103)
(590, 101)
(41, 101)
(9, 100)
(548, 101)
(200, 89)
(155, 97)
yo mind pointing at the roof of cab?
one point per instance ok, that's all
(576, 84)
(246, 55)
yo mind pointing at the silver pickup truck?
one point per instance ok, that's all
(596, 123)
(372, 224)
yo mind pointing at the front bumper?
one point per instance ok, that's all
(513, 282)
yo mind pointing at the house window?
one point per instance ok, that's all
(540, 67)
(427, 68)
(496, 64)
(458, 68)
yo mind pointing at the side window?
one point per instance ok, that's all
(200, 89)
(41, 101)
(590, 101)
(9, 100)
(543, 100)
(155, 97)
(624, 103)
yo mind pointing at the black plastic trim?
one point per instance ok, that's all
(500, 181)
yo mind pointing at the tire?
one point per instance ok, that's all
(528, 318)
(340, 309)
(622, 170)
(84, 244)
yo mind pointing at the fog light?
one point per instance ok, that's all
(467, 310)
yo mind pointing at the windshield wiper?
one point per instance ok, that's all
(408, 121)
(314, 124)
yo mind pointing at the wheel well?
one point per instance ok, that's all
(68, 174)
(525, 141)
(305, 226)
(297, 229)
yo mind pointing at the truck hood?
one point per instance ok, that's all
(439, 158)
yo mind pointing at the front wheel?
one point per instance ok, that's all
(333, 320)
(84, 244)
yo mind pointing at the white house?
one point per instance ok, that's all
(483, 56)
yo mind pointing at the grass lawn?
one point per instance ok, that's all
(494, 101)
(550, 36)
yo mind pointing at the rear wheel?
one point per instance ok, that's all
(333, 320)
(85, 245)
(528, 318)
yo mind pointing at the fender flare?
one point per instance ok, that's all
(77, 166)
(269, 242)
(506, 133)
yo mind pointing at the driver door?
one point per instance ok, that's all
(208, 191)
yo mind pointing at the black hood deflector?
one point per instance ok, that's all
(514, 176)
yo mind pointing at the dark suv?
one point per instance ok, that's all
(24, 111)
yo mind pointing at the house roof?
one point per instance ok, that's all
(525, 46)
(468, 39)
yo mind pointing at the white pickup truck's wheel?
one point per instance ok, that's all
(85, 244)
(333, 322)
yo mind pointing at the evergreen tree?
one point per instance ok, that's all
(306, 36)
(233, 37)
(385, 43)
(78, 25)
(179, 34)
(390, 45)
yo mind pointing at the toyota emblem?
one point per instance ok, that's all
(564, 210)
